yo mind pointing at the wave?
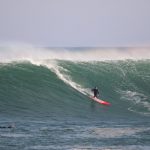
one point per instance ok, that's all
(61, 87)
(64, 88)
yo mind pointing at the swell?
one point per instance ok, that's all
(61, 88)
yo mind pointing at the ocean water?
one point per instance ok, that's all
(45, 104)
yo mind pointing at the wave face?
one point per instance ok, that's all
(50, 87)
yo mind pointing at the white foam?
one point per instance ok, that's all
(61, 73)
(97, 132)
(138, 99)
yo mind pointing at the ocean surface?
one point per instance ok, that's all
(45, 104)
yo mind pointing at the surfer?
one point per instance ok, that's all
(9, 126)
(96, 92)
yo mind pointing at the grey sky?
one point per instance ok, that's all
(75, 22)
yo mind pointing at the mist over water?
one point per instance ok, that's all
(13, 53)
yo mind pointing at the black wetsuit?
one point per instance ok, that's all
(96, 92)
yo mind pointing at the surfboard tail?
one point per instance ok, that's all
(100, 101)
(105, 103)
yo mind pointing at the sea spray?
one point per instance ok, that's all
(16, 53)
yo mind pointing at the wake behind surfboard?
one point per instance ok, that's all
(100, 101)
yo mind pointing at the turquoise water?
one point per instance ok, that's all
(48, 104)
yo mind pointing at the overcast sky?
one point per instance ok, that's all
(62, 23)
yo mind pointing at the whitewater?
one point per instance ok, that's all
(44, 95)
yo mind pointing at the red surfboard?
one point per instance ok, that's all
(100, 101)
